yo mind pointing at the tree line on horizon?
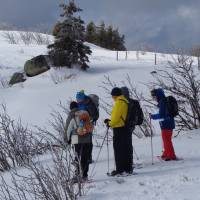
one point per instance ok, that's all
(106, 37)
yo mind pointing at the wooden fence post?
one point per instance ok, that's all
(155, 59)
(126, 55)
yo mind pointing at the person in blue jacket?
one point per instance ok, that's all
(167, 124)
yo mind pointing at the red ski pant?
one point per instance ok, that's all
(167, 143)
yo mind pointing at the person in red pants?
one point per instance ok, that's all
(167, 124)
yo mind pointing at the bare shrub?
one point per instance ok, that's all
(195, 51)
(18, 143)
(41, 39)
(145, 128)
(146, 104)
(45, 181)
(4, 83)
(182, 81)
(59, 75)
(54, 135)
(26, 37)
(10, 37)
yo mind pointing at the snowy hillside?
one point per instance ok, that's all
(34, 100)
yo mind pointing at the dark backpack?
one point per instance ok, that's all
(92, 107)
(172, 106)
(135, 114)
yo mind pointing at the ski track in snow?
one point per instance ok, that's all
(178, 180)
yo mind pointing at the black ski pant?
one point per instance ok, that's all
(90, 152)
(130, 146)
(123, 150)
(83, 155)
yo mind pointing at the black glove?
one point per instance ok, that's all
(106, 121)
(69, 142)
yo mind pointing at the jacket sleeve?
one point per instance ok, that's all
(162, 112)
(155, 116)
(116, 114)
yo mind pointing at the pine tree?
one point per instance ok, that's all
(109, 38)
(106, 37)
(102, 35)
(69, 48)
(118, 41)
(91, 34)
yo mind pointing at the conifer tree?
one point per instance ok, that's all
(91, 35)
(118, 41)
(109, 38)
(69, 48)
(106, 37)
(102, 35)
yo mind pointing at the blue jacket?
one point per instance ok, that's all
(166, 122)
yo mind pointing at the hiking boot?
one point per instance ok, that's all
(114, 173)
(129, 172)
(168, 158)
(90, 161)
(77, 179)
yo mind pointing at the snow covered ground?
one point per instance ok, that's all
(34, 100)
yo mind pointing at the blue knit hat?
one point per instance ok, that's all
(80, 95)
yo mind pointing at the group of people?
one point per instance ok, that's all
(84, 114)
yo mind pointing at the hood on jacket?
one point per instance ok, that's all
(159, 93)
(125, 92)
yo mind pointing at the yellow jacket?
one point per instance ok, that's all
(119, 112)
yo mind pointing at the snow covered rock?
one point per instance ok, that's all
(36, 65)
(17, 78)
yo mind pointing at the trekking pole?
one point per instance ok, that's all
(151, 139)
(134, 151)
(99, 152)
(108, 157)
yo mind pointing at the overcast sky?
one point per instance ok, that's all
(157, 23)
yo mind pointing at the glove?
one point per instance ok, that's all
(69, 142)
(106, 121)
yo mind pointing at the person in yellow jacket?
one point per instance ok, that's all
(120, 133)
